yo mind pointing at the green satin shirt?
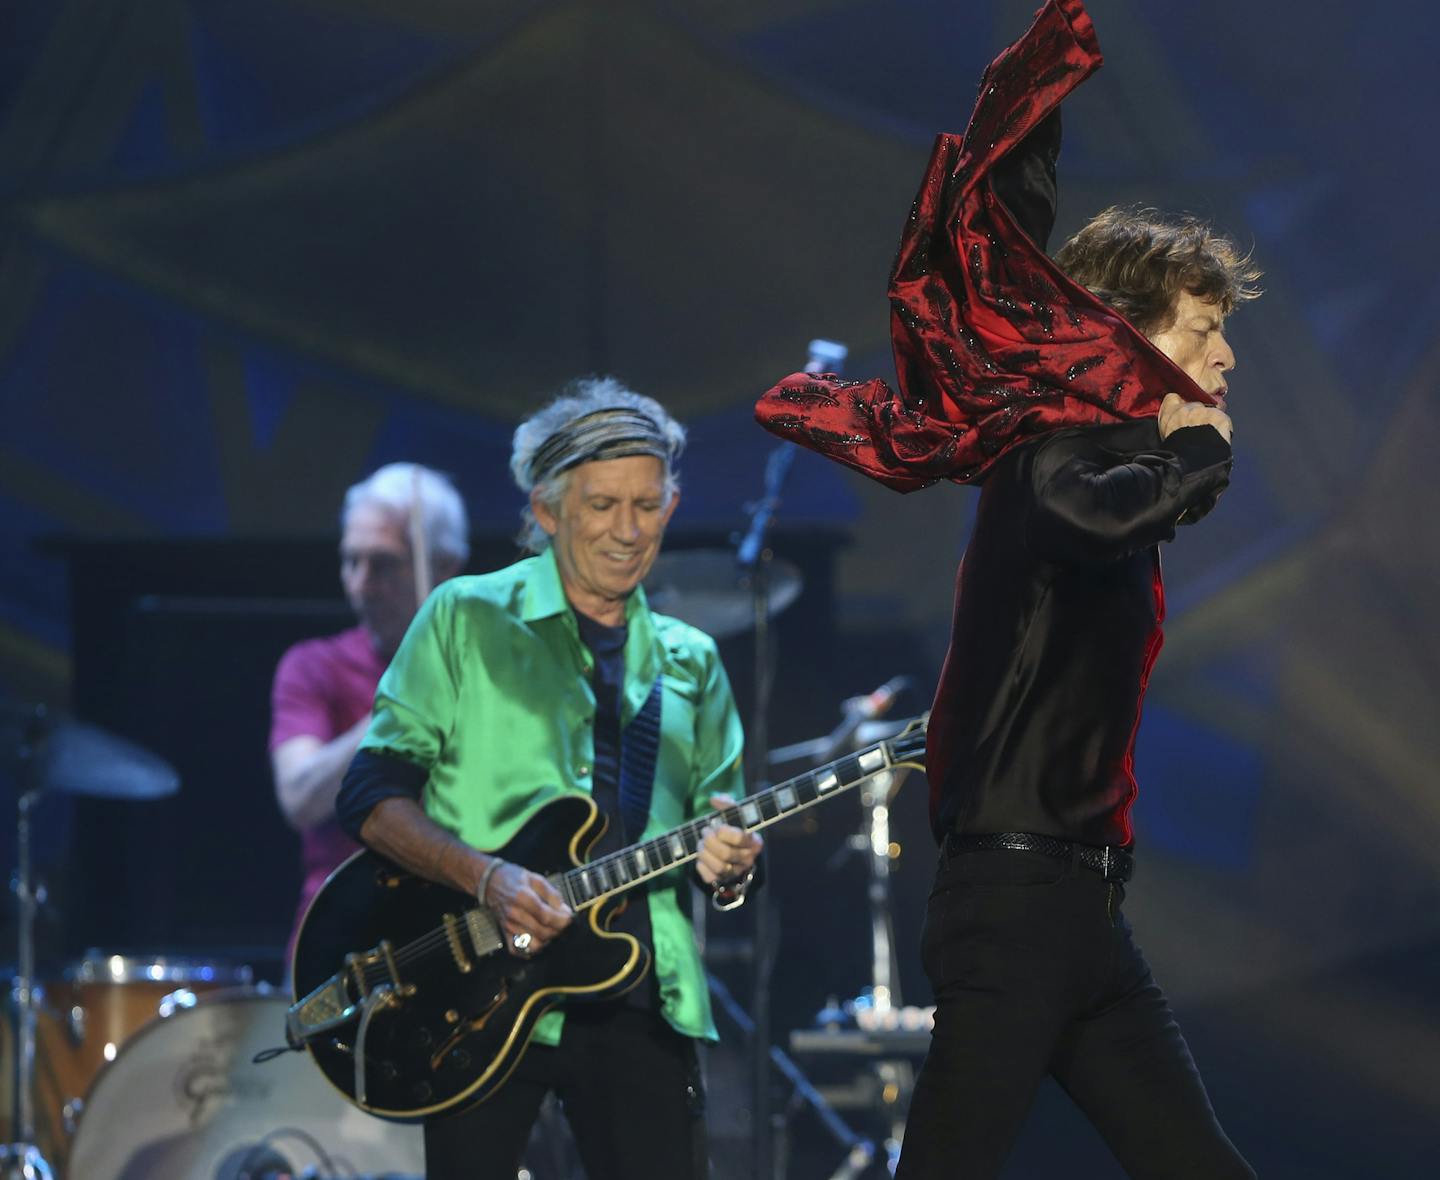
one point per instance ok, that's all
(491, 693)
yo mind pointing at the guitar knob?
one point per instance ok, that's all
(421, 1093)
(421, 1038)
(388, 1071)
(458, 1058)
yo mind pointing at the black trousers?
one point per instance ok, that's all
(630, 1088)
(1035, 972)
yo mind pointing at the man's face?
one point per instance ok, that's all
(607, 528)
(1196, 343)
(377, 573)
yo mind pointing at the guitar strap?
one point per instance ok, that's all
(639, 751)
(625, 759)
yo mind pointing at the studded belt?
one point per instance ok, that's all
(1113, 864)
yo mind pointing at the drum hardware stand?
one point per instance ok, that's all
(22, 1160)
(896, 1076)
(882, 998)
(78, 759)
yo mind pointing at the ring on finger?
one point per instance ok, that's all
(521, 942)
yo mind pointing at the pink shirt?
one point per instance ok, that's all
(322, 688)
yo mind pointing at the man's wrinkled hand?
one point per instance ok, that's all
(525, 903)
(727, 853)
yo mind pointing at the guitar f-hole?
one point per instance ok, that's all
(475, 1024)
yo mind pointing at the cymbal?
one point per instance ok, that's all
(705, 588)
(81, 759)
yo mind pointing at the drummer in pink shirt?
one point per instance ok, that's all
(324, 688)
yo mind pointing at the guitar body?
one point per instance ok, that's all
(462, 1018)
(422, 976)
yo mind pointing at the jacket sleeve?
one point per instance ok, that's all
(1024, 180)
(1092, 505)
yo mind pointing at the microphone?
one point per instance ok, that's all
(857, 711)
(826, 356)
(878, 703)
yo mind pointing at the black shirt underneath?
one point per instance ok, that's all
(607, 646)
(1057, 623)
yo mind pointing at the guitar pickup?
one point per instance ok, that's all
(457, 950)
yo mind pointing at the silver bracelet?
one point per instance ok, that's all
(736, 890)
(495, 863)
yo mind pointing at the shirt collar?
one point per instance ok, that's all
(545, 592)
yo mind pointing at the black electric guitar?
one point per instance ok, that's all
(404, 992)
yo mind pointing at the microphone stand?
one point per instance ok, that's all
(754, 557)
(751, 555)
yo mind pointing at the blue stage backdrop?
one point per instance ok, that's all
(250, 251)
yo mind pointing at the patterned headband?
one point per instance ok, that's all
(612, 433)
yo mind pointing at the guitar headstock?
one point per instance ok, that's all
(907, 748)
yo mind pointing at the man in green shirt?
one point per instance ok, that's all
(549, 678)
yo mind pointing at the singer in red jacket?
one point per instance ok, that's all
(1087, 396)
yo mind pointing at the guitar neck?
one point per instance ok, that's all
(618, 871)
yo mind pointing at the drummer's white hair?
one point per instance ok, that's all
(442, 512)
(584, 395)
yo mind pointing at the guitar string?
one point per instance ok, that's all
(438, 938)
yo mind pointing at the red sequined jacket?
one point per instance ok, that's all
(993, 344)
(1011, 374)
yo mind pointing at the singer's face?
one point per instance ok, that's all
(606, 531)
(377, 573)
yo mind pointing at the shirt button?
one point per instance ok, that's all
(582, 771)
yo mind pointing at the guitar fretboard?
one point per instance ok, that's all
(618, 871)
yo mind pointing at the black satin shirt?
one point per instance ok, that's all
(1058, 609)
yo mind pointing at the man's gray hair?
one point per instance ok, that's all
(442, 512)
(581, 397)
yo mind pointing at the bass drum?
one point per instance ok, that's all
(87, 1016)
(183, 1100)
